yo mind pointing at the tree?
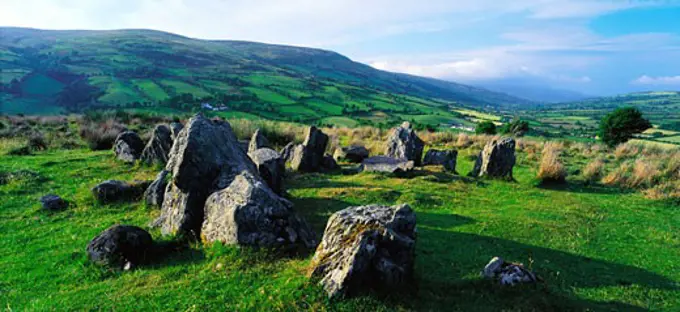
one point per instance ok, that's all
(486, 127)
(516, 127)
(620, 125)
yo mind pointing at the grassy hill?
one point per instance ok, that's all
(58, 71)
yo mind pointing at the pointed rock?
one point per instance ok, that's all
(257, 141)
(308, 157)
(404, 143)
(128, 146)
(158, 147)
(496, 160)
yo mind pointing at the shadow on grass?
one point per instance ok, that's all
(580, 187)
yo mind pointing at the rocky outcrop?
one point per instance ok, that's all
(403, 143)
(128, 146)
(496, 160)
(271, 166)
(308, 157)
(387, 164)
(366, 247)
(158, 147)
(507, 273)
(447, 159)
(53, 202)
(121, 247)
(247, 212)
(114, 191)
(155, 193)
(257, 141)
(353, 154)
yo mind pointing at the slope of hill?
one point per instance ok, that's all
(56, 71)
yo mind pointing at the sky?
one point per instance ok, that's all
(593, 47)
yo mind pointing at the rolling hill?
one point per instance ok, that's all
(48, 71)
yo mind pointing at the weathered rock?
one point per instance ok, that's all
(353, 153)
(403, 143)
(387, 164)
(155, 193)
(271, 166)
(120, 246)
(308, 157)
(507, 273)
(128, 146)
(175, 128)
(496, 160)
(287, 151)
(158, 147)
(444, 158)
(366, 247)
(113, 190)
(247, 212)
(328, 163)
(53, 202)
(203, 151)
(257, 141)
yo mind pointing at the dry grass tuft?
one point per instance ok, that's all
(594, 170)
(551, 168)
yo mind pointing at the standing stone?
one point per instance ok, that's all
(158, 147)
(271, 166)
(120, 246)
(496, 160)
(175, 128)
(403, 143)
(366, 247)
(308, 157)
(53, 202)
(257, 141)
(444, 158)
(113, 191)
(128, 146)
(155, 193)
(203, 151)
(354, 154)
(247, 212)
(287, 151)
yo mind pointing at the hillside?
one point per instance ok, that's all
(58, 71)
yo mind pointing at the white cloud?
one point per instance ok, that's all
(658, 81)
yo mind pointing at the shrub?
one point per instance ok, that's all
(669, 190)
(620, 125)
(37, 142)
(627, 150)
(102, 135)
(551, 168)
(486, 127)
(516, 127)
(594, 170)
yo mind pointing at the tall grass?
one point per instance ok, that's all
(551, 169)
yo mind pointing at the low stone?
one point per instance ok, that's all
(53, 202)
(128, 146)
(387, 164)
(113, 191)
(329, 164)
(271, 166)
(447, 159)
(496, 160)
(507, 273)
(157, 149)
(257, 141)
(353, 154)
(404, 143)
(308, 157)
(155, 193)
(121, 247)
(366, 247)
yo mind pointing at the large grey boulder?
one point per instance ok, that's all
(366, 247)
(387, 164)
(121, 247)
(53, 202)
(203, 151)
(404, 143)
(157, 149)
(271, 166)
(257, 141)
(445, 158)
(155, 193)
(114, 191)
(128, 146)
(496, 160)
(308, 157)
(247, 212)
(352, 153)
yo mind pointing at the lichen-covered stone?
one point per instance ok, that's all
(447, 159)
(308, 157)
(158, 148)
(386, 164)
(247, 212)
(155, 193)
(128, 146)
(353, 154)
(120, 246)
(271, 166)
(507, 273)
(175, 128)
(114, 191)
(287, 151)
(366, 247)
(404, 143)
(258, 141)
(496, 160)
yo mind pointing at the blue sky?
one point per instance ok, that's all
(595, 47)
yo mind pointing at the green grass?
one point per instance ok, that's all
(180, 87)
(41, 85)
(597, 249)
(151, 90)
(269, 96)
(340, 121)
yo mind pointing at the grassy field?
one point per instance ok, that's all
(596, 248)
